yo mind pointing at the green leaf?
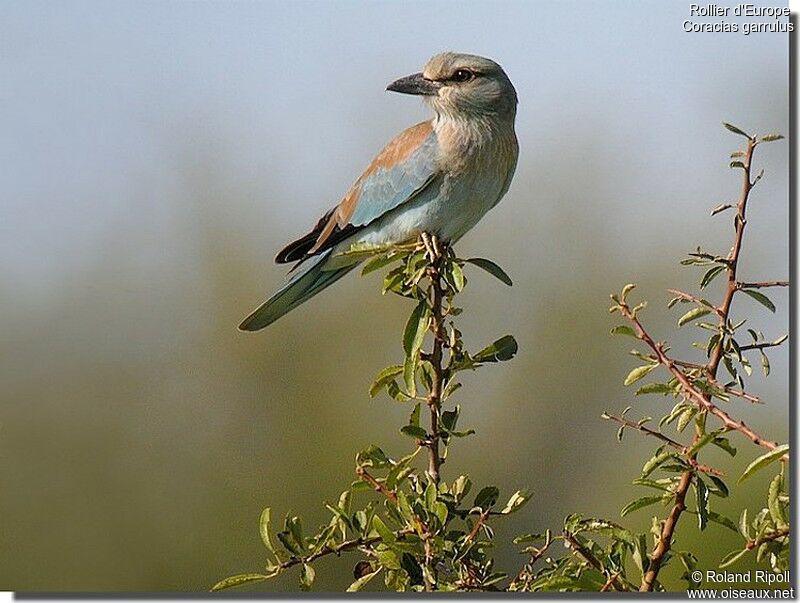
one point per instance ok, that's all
(492, 268)
(744, 527)
(710, 275)
(410, 375)
(487, 497)
(692, 315)
(415, 329)
(414, 431)
(239, 580)
(456, 276)
(518, 500)
(771, 137)
(384, 532)
(362, 581)
(722, 520)
(736, 130)
(640, 503)
(501, 350)
(654, 388)
(702, 502)
(624, 330)
(440, 510)
(725, 444)
(732, 558)
(386, 376)
(379, 262)
(638, 373)
(413, 418)
(773, 502)
(720, 488)
(265, 528)
(372, 456)
(307, 575)
(763, 461)
(706, 439)
(656, 461)
(760, 298)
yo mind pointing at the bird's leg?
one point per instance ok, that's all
(437, 249)
(427, 242)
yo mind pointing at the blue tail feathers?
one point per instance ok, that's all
(305, 284)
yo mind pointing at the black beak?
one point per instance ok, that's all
(415, 84)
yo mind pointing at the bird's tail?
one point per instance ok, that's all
(304, 284)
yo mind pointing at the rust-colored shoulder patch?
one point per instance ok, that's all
(397, 151)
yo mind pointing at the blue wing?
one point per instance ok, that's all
(404, 168)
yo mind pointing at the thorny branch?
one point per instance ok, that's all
(666, 439)
(703, 401)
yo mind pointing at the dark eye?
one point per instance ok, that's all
(463, 75)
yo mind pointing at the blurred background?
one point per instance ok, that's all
(155, 155)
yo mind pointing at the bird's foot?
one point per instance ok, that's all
(431, 243)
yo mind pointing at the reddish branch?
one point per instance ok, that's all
(763, 284)
(776, 535)
(436, 254)
(684, 450)
(576, 547)
(379, 487)
(703, 401)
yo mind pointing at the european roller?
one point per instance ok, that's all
(438, 177)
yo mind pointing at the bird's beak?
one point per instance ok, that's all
(415, 84)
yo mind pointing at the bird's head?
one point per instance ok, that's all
(462, 85)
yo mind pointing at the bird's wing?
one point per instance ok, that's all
(400, 171)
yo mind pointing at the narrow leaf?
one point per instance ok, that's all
(692, 314)
(238, 581)
(492, 268)
(763, 461)
(736, 130)
(638, 373)
(640, 503)
(760, 298)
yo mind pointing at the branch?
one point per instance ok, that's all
(347, 545)
(667, 440)
(436, 255)
(379, 487)
(702, 400)
(723, 311)
(760, 346)
(578, 548)
(763, 284)
(776, 535)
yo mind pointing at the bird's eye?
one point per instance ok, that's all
(463, 75)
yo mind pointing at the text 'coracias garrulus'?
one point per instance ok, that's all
(439, 177)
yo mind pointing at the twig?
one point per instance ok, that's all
(666, 439)
(702, 400)
(760, 346)
(776, 535)
(578, 548)
(763, 284)
(477, 527)
(695, 299)
(723, 311)
(436, 255)
(347, 545)
(379, 487)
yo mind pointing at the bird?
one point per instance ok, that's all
(438, 177)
